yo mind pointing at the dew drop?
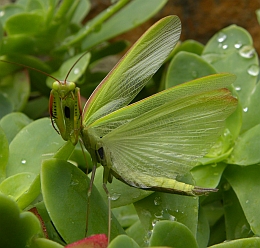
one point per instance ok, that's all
(28, 176)
(253, 70)
(247, 52)
(23, 161)
(214, 165)
(238, 45)
(74, 182)
(76, 71)
(2, 13)
(154, 222)
(159, 215)
(114, 196)
(247, 201)
(157, 201)
(221, 37)
(225, 47)
(245, 109)
(237, 88)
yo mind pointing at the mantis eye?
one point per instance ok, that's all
(56, 85)
(71, 86)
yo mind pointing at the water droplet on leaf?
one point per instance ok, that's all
(247, 52)
(76, 71)
(114, 196)
(238, 45)
(2, 13)
(157, 201)
(221, 37)
(245, 109)
(23, 161)
(225, 47)
(253, 70)
(237, 88)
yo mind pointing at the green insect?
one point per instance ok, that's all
(151, 142)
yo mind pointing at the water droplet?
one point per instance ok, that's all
(74, 182)
(247, 52)
(214, 165)
(2, 13)
(225, 47)
(238, 45)
(23, 161)
(237, 88)
(154, 222)
(28, 176)
(221, 37)
(159, 215)
(157, 201)
(253, 70)
(247, 201)
(76, 71)
(245, 109)
(114, 196)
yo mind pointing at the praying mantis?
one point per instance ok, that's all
(150, 143)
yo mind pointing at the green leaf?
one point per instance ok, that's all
(23, 226)
(245, 183)
(185, 67)
(6, 105)
(64, 189)
(231, 50)
(82, 9)
(123, 241)
(163, 206)
(13, 123)
(121, 194)
(191, 46)
(17, 88)
(247, 147)
(172, 234)
(240, 243)
(235, 220)
(17, 185)
(25, 23)
(4, 154)
(251, 116)
(126, 215)
(208, 176)
(124, 20)
(30, 147)
(10, 10)
(44, 243)
(137, 233)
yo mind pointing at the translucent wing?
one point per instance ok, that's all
(134, 70)
(157, 146)
(111, 121)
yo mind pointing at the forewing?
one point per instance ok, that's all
(134, 70)
(168, 140)
(199, 86)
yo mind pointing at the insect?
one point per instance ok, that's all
(149, 143)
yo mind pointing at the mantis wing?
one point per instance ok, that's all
(113, 120)
(151, 150)
(134, 70)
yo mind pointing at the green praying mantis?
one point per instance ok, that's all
(150, 143)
